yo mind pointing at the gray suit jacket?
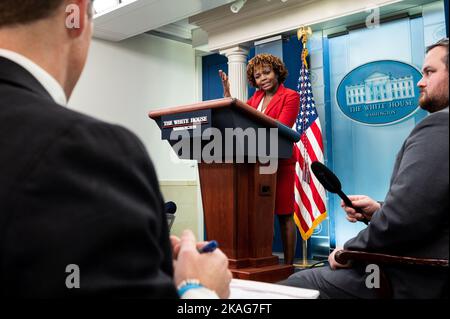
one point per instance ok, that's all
(414, 218)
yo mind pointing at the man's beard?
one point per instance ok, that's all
(433, 103)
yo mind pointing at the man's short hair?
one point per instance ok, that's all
(441, 43)
(16, 12)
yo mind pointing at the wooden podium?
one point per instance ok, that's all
(238, 199)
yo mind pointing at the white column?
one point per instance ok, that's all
(237, 71)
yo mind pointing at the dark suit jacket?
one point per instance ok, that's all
(284, 108)
(75, 190)
(414, 218)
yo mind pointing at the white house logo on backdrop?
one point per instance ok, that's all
(380, 87)
(379, 92)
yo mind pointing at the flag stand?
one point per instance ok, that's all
(305, 262)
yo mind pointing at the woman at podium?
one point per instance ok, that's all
(267, 74)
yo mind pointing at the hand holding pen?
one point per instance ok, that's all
(202, 247)
(202, 261)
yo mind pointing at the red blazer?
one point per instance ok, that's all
(284, 108)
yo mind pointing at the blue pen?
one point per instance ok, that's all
(209, 247)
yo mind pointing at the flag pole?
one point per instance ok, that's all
(305, 252)
(303, 33)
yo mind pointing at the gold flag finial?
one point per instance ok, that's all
(304, 33)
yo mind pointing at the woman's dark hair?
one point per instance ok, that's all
(274, 62)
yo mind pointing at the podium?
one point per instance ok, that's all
(236, 148)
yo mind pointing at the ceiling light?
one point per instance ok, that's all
(237, 6)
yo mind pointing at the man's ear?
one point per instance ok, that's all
(77, 18)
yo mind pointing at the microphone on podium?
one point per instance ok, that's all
(170, 208)
(332, 184)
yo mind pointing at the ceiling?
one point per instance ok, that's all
(168, 17)
(121, 19)
(192, 21)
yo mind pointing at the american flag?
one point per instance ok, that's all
(310, 209)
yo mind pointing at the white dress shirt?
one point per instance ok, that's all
(44, 78)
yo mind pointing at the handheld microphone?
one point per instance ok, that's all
(332, 184)
(170, 207)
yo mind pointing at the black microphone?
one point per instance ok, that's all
(332, 184)
(170, 207)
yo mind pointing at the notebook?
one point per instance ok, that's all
(249, 289)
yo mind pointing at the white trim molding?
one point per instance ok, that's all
(257, 21)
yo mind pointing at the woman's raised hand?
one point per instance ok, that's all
(225, 84)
